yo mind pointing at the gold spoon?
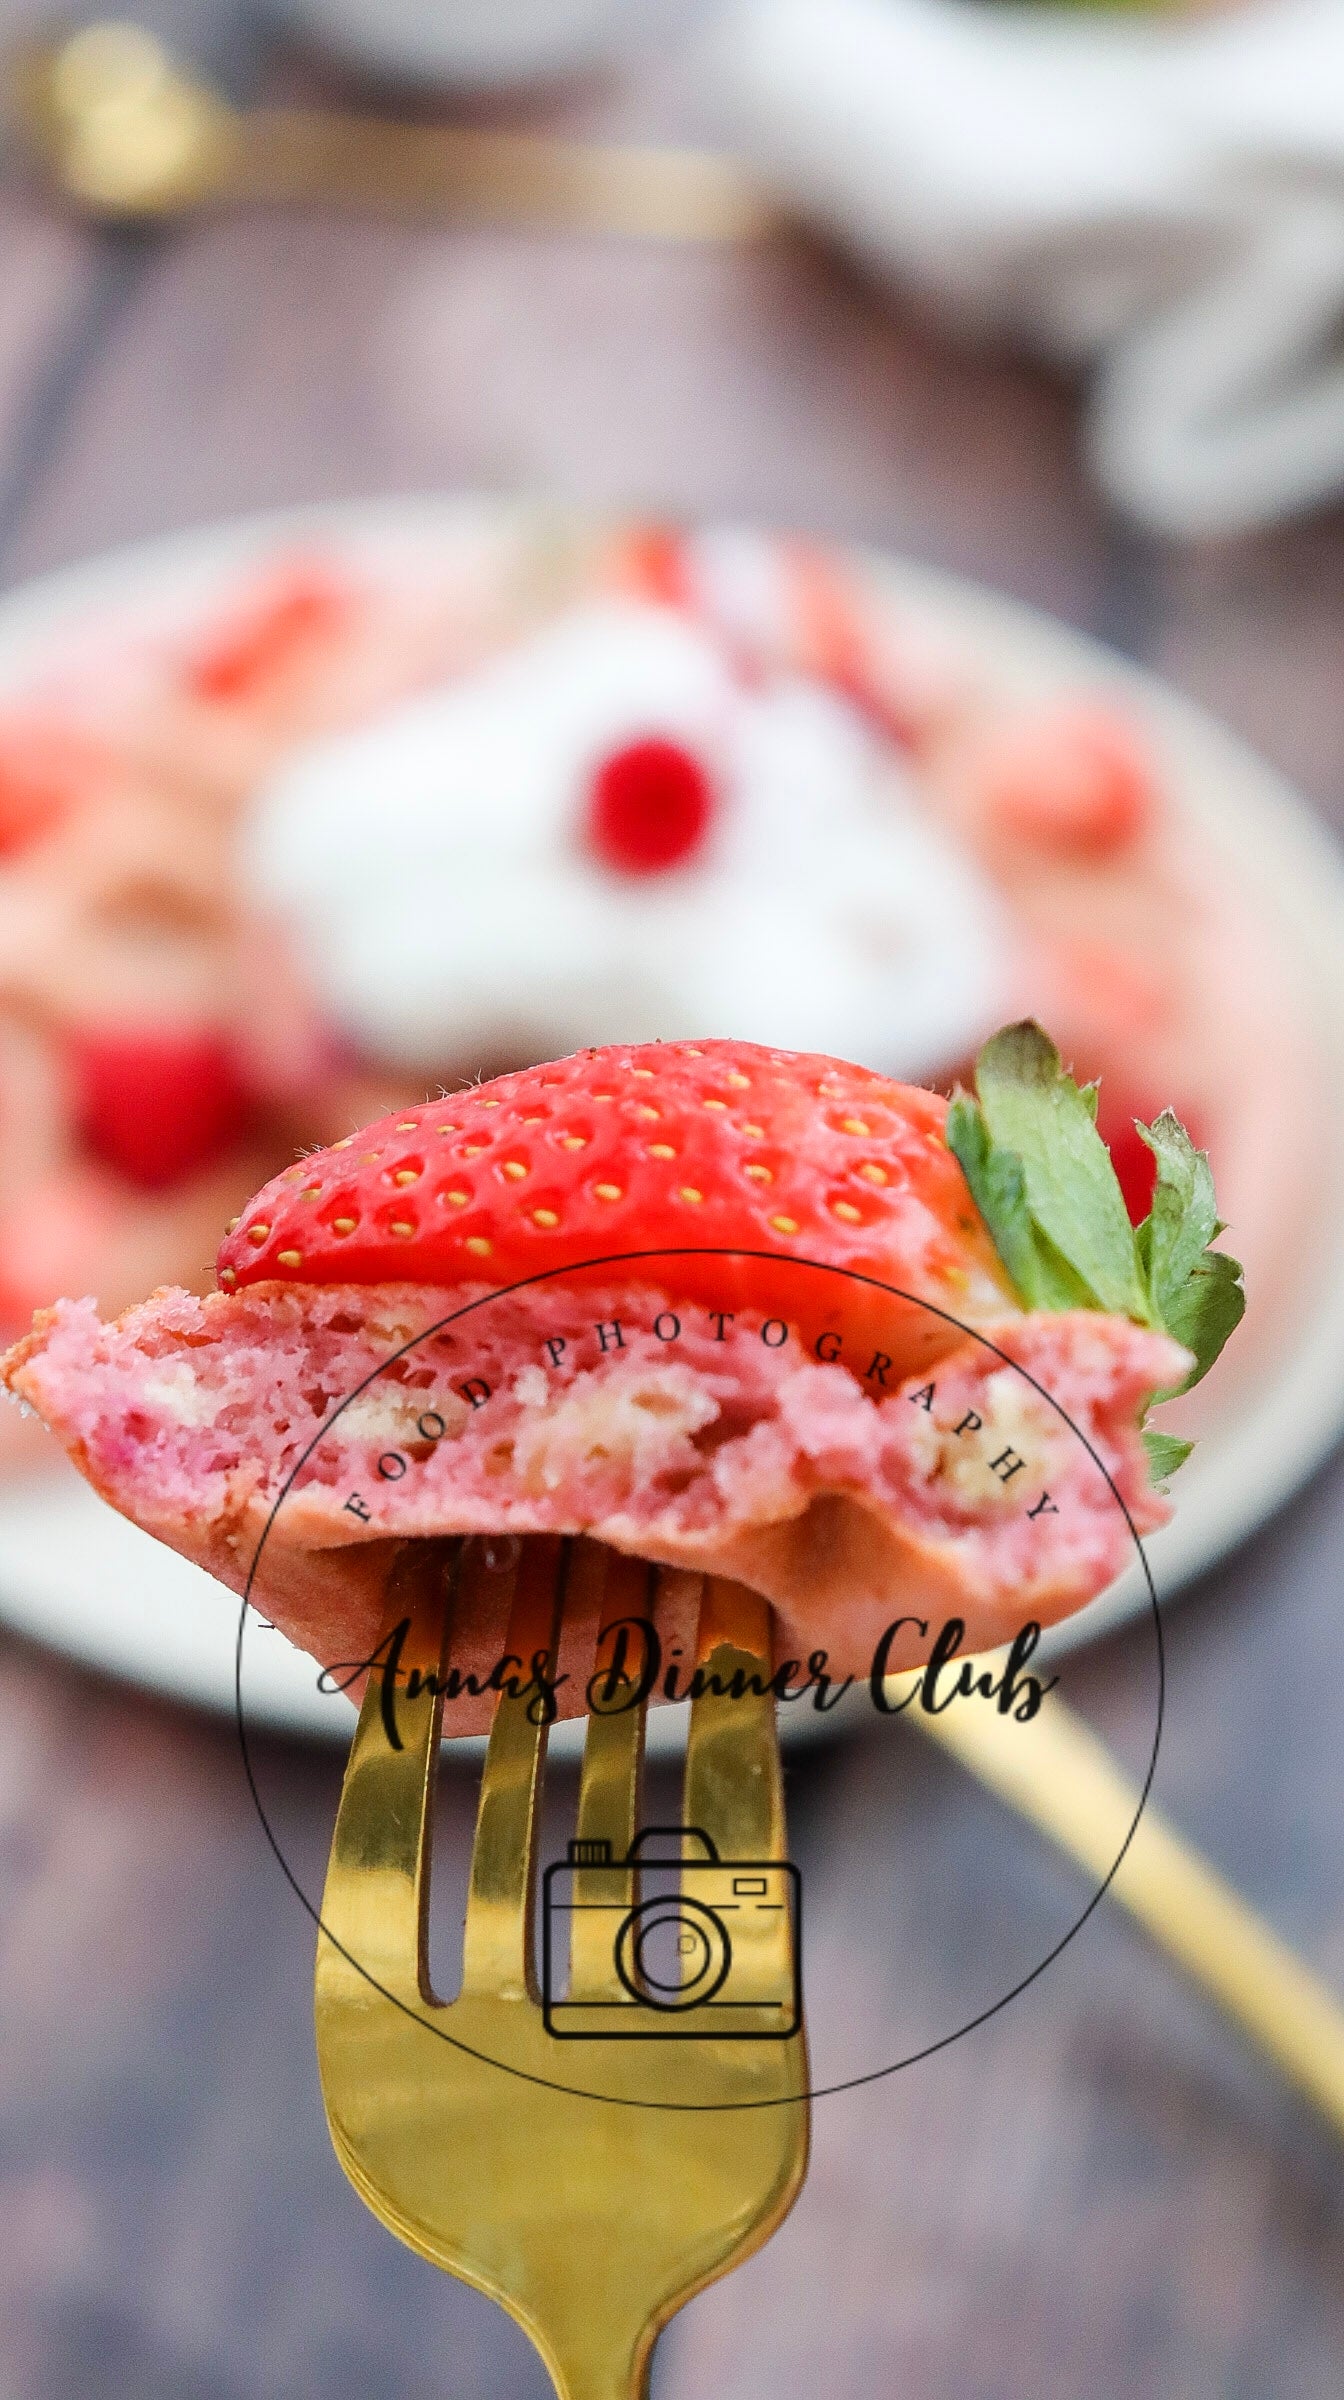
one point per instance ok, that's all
(128, 132)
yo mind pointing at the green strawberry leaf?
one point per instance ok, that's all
(1197, 1291)
(1035, 1111)
(1208, 1307)
(1184, 1216)
(998, 1186)
(998, 1191)
(1166, 1452)
(1041, 1177)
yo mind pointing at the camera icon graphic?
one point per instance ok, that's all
(681, 1946)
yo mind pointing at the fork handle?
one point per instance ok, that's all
(598, 2378)
(1057, 1773)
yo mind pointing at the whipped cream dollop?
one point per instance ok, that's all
(455, 905)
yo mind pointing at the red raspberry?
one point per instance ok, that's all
(157, 1106)
(650, 808)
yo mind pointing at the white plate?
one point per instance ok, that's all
(79, 1578)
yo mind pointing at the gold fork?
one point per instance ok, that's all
(589, 2185)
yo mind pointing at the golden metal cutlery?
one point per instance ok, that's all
(590, 2186)
(552, 2150)
(1057, 1773)
(127, 131)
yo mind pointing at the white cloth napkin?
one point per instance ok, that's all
(1164, 197)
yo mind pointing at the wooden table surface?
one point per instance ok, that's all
(1100, 2193)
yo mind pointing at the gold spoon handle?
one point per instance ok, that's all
(644, 192)
(129, 131)
(1056, 1773)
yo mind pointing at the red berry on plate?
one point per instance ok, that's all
(649, 808)
(1072, 779)
(157, 1106)
(685, 1150)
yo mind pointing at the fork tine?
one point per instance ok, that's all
(497, 1936)
(613, 1758)
(734, 1790)
(734, 1787)
(378, 1878)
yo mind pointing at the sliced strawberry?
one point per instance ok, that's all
(45, 770)
(651, 563)
(1076, 780)
(836, 643)
(668, 1147)
(296, 614)
(157, 1106)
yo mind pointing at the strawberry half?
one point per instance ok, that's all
(665, 1147)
